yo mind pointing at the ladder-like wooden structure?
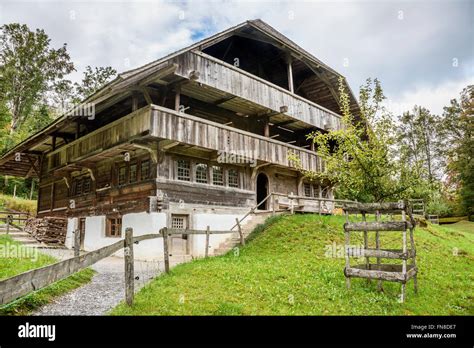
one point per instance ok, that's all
(381, 271)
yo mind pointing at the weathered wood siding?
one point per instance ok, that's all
(225, 77)
(168, 124)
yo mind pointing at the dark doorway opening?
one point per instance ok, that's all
(262, 190)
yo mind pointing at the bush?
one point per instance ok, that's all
(19, 204)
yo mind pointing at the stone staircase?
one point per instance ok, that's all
(248, 225)
(20, 236)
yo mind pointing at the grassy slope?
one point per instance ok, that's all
(284, 271)
(12, 266)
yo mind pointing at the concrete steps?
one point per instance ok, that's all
(248, 225)
(20, 236)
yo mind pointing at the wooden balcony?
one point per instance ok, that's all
(154, 123)
(191, 130)
(221, 81)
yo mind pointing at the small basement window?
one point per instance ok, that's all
(217, 176)
(233, 178)
(201, 173)
(114, 227)
(184, 170)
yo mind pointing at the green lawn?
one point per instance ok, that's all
(284, 271)
(10, 266)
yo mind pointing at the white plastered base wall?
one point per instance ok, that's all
(146, 223)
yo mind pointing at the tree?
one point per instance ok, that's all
(417, 138)
(28, 68)
(93, 80)
(360, 159)
(457, 130)
(66, 94)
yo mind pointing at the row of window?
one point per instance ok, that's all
(131, 172)
(205, 174)
(311, 190)
(81, 186)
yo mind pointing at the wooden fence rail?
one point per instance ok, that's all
(27, 282)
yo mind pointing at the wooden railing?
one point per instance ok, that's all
(115, 133)
(192, 130)
(290, 208)
(227, 78)
(36, 279)
(9, 217)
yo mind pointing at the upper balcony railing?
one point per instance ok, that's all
(163, 123)
(230, 79)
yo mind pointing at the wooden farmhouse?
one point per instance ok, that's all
(194, 139)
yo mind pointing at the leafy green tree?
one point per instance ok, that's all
(360, 159)
(417, 139)
(457, 132)
(93, 80)
(28, 68)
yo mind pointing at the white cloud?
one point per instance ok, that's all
(433, 98)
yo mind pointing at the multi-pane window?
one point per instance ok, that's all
(114, 227)
(133, 173)
(217, 176)
(201, 173)
(145, 170)
(122, 175)
(178, 222)
(233, 178)
(315, 190)
(81, 186)
(307, 190)
(184, 170)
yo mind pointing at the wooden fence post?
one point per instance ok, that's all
(206, 253)
(8, 224)
(165, 249)
(242, 240)
(129, 271)
(77, 242)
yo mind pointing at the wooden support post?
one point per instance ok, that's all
(165, 249)
(290, 74)
(413, 255)
(404, 262)
(346, 252)
(77, 242)
(273, 205)
(377, 246)
(242, 239)
(134, 103)
(129, 271)
(177, 98)
(266, 127)
(8, 223)
(319, 209)
(206, 253)
(366, 245)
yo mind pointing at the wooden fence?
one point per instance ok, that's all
(24, 283)
(14, 218)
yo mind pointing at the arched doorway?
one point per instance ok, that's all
(262, 190)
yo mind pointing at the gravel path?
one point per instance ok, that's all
(104, 291)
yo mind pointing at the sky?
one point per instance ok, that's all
(421, 51)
